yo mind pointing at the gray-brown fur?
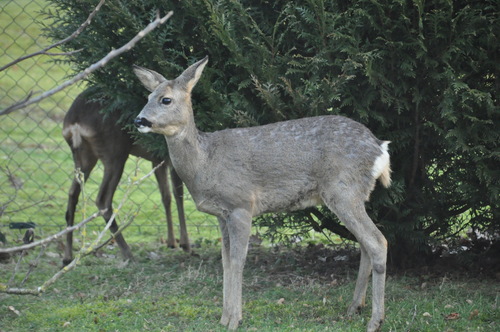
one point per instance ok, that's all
(236, 174)
(91, 137)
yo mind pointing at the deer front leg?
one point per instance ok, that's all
(166, 198)
(179, 199)
(225, 266)
(235, 235)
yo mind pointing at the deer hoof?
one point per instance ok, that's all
(354, 309)
(186, 247)
(230, 322)
(374, 325)
(224, 320)
(66, 261)
(233, 324)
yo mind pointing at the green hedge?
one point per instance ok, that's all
(423, 74)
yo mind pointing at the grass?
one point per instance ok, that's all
(284, 290)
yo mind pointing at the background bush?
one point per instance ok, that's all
(423, 74)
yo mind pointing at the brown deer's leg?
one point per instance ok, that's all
(166, 197)
(113, 170)
(85, 161)
(179, 199)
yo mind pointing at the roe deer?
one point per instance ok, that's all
(91, 137)
(236, 174)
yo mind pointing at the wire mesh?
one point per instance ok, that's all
(36, 167)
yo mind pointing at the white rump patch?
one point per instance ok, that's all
(76, 132)
(382, 163)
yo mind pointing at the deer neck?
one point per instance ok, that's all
(186, 152)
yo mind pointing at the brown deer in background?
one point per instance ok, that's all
(93, 136)
(236, 174)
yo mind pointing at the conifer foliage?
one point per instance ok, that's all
(423, 74)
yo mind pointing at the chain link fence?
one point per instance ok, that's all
(36, 167)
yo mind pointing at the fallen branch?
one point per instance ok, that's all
(83, 74)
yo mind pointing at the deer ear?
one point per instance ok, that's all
(149, 78)
(190, 76)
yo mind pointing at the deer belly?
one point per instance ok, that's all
(285, 201)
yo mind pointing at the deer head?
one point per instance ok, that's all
(169, 109)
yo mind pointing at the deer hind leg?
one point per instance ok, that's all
(365, 270)
(352, 213)
(179, 200)
(113, 170)
(85, 161)
(166, 198)
(235, 235)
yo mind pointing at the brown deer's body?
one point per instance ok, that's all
(92, 137)
(236, 174)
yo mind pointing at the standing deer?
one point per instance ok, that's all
(91, 137)
(236, 174)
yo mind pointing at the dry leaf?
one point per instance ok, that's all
(153, 256)
(452, 316)
(94, 278)
(473, 314)
(14, 310)
(52, 254)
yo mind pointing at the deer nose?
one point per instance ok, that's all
(142, 122)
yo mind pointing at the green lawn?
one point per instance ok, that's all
(284, 290)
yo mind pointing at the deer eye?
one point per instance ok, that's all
(166, 101)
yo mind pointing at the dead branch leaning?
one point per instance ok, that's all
(83, 74)
(45, 50)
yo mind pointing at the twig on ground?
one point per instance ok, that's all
(84, 251)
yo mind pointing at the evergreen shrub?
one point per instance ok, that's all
(423, 74)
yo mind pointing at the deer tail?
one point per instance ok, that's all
(382, 167)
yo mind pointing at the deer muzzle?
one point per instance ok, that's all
(143, 125)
